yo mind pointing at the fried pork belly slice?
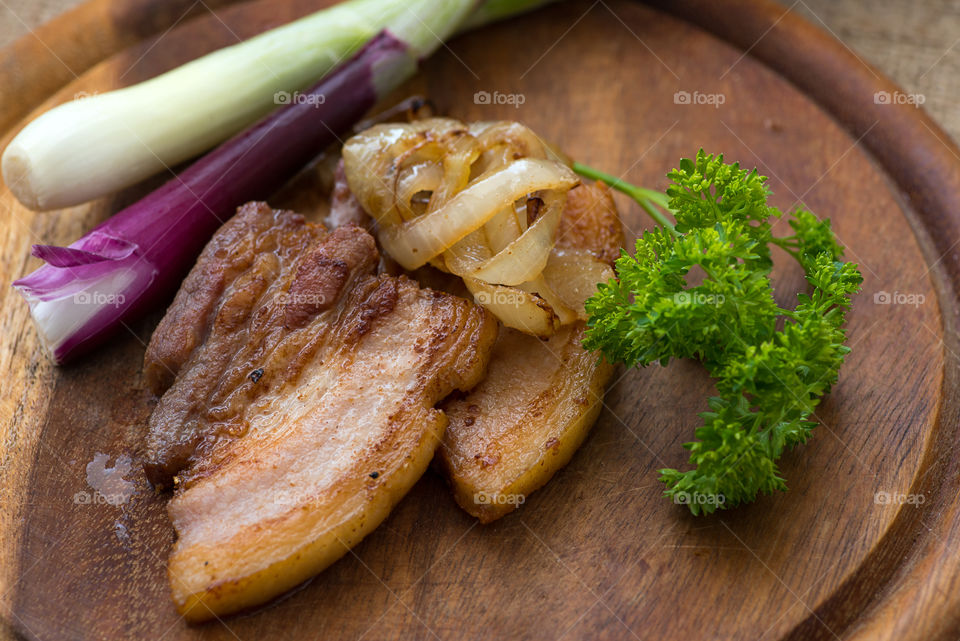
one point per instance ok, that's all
(540, 398)
(305, 409)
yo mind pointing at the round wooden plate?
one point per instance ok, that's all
(863, 546)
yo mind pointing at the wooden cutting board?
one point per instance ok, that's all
(598, 553)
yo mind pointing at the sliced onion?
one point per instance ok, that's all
(524, 258)
(473, 219)
(520, 139)
(415, 242)
(467, 254)
(425, 177)
(574, 275)
(502, 229)
(564, 312)
(370, 161)
(515, 308)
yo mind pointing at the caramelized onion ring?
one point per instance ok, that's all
(482, 202)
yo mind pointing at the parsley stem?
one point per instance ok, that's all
(789, 244)
(646, 198)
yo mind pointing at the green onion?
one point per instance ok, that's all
(131, 262)
(88, 148)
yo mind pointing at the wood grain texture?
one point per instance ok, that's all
(597, 553)
(914, 42)
(922, 600)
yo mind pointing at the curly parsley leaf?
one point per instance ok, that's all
(769, 380)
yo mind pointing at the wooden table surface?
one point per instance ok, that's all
(915, 42)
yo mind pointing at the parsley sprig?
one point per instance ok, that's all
(769, 380)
